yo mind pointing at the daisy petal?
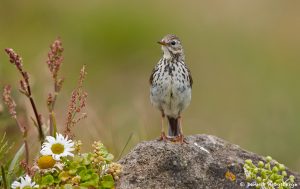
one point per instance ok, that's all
(57, 147)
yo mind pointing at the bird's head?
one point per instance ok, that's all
(171, 46)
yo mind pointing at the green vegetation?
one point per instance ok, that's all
(269, 175)
(86, 170)
(60, 163)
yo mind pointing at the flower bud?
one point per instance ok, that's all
(267, 165)
(248, 161)
(268, 158)
(273, 177)
(284, 173)
(263, 174)
(281, 167)
(275, 170)
(261, 164)
(258, 179)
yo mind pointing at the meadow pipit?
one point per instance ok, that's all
(171, 87)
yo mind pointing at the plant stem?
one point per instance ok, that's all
(40, 129)
(26, 151)
(53, 129)
(25, 87)
(53, 124)
(128, 140)
(3, 177)
(24, 134)
(54, 98)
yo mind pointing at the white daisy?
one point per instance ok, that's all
(57, 147)
(25, 182)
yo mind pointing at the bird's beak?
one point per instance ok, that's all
(162, 43)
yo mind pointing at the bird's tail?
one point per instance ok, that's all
(174, 127)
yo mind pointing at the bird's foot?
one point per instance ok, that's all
(163, 137)
(179, 139)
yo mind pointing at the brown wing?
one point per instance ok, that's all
(190, 76)
(152, 76)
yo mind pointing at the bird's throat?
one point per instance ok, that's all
(169, 55)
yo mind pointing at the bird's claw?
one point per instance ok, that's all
(179, 139)
(163, 137)
(176, 139)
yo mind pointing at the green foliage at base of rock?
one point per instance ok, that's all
(269, 174)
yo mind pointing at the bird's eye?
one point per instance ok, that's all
(173, 42)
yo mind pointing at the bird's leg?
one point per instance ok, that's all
(163, 136)
(180, 137)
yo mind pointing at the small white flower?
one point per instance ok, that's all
(25, 182)
(57, 147)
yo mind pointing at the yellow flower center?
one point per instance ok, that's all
(46, 162)
(57, 148)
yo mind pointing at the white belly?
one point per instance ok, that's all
(171, 96)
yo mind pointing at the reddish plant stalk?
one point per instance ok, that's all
(54, 62)
(25, 88)
(77, 103)
(10, 103)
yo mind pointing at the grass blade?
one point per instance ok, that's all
(127, 142)
(3, 177)
(16, 159)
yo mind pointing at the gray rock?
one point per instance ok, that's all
(202, 163)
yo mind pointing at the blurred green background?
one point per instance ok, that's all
(244, 57)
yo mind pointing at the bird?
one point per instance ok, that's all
(171, 87)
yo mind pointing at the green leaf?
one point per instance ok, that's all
(57, 180)
(64, 176)
(16, 158)
(93, 181)
(72, 171)
(73, 168)
(108, 177)
(86, 159)
(81, 168)
(4, 148)
(107, 184)
(47, 180)
(109, 157)
(95, 178)
(37, 177)
(89, 178)
(3, 181)
(78, 158)
(107, 181)
(86, 174)
(74, 165)
(89, 184)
